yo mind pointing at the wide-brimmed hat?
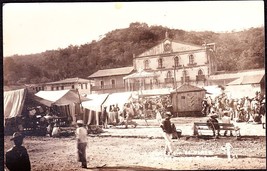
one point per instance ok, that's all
(225, 111)
(17, 135)
(168, 114)
(80, 122)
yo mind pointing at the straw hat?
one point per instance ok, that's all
(80, 122)
(17, 135)
(168, 114)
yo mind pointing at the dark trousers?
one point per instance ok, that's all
(82, 153)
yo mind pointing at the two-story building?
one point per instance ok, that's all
(82, 85)
(174, 63)
(110, 80)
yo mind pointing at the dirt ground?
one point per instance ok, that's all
(109, 153)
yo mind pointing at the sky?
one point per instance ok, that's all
(30, 28)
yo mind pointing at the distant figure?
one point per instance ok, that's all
(17, 158)
(104, 117)
(226, 119)
(263, 113)
(158, 115)
(81, 136)
(167, 133)
(56, 130)
(204, 107)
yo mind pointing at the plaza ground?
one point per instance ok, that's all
(142, 148)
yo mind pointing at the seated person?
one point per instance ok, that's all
(213, 124)
(56, 130)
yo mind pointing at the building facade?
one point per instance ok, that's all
(82, 85)
(175, 63)
(110, 80)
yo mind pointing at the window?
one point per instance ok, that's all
(85, 85)
(200, 75)
(146, 64)
(160, 63)
(102, 84)
(200, 72)
(72, 86)
(113, 83)
(52, 88)
(169, 78)
(176, 61)
(81, 85)
(62, 87)
(169, 74)
(57, 88)
(191, 59)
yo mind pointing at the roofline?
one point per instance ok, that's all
(111, 69)
(107, 75)
(63, 82)
(171, 40)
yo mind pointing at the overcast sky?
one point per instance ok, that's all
(36, 27)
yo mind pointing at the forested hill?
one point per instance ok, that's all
(235, 51)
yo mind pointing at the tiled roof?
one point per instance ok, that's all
(70, 80)
(112, 72)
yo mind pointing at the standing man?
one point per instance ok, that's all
(167, 133)
(104, 117)
(17, 158)
(81, 136)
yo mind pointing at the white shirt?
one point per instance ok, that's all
(55, 131)
(81, 134)
(226, 119)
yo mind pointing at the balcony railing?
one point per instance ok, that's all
(108, 87)
(192, 64)
(187, 79)
(200, 78)
(169, 80)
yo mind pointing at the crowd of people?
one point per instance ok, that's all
(240, 109)
(143, 108)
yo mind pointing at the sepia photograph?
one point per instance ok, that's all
(118, 86)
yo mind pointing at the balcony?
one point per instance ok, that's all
(108, 87)
(178, 66)
(192, 64)
(187, 79)
(200, 78)
(169, 80)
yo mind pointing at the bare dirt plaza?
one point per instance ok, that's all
(143, 148)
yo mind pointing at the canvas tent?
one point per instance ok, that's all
(246, 86)
(118, 98)
(17, 105)
(65, 101)
(14, 102)
(59, 98)
(92, 108)
(96, 101)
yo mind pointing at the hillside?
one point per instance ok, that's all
(235, 51)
